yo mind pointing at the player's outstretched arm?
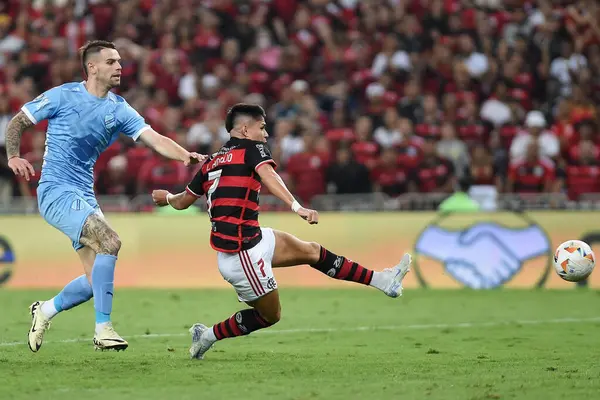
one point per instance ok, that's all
(169, 148)
(14, 130)
(271, 179)
(179, 201)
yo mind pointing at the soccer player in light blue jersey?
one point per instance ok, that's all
(84, 119)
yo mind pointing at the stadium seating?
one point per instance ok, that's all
(368, 76)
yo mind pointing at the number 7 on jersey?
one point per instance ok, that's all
(214, 176)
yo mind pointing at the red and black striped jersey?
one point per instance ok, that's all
(232, 186)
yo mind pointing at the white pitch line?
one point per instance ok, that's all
(354, 329)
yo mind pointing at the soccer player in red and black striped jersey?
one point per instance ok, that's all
(231, 180)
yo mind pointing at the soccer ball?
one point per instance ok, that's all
(574, 260)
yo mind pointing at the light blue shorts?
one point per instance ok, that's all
(66, 208)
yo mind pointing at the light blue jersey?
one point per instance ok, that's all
(80, 127)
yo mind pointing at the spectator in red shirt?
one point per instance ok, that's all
(449, 107)
(409, 150)
(470, 128)
(585, 131)
(434, 174)
(208, 38)
(364, 149)
(114, 180)
(581, 106)
(429, 119)
(388, 177)
(584, 175)
(339, 128)
(307, 170)
(462, 85)
(160, 172)
(563, 127)
(532, 174)
(362, 56)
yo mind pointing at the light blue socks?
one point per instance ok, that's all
(103, 276)
(76, 292)
(79, 291)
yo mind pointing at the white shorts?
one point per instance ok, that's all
(250, 272)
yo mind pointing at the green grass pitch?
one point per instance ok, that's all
(330, 344)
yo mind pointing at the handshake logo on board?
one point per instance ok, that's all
(484, 254)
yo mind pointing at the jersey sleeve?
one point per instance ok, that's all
(195, 186)
(44, 106)
(132, 123)
(258, 154)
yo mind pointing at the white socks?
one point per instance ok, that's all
(210, 334)
(100, 326)
(380, 280)
(48, 309)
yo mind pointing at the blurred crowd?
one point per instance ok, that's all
(392, 96)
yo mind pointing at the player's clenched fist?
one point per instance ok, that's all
(21, 167)
(312, 216)
(160, 197)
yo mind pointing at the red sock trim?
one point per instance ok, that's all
(234, 327)
(217, 332)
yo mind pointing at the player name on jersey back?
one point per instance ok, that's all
(230, 157)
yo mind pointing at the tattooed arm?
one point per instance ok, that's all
(14, 130)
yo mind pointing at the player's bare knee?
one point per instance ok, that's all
(313, 252)
(272, 316)
(269, 307)
(276, 317)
